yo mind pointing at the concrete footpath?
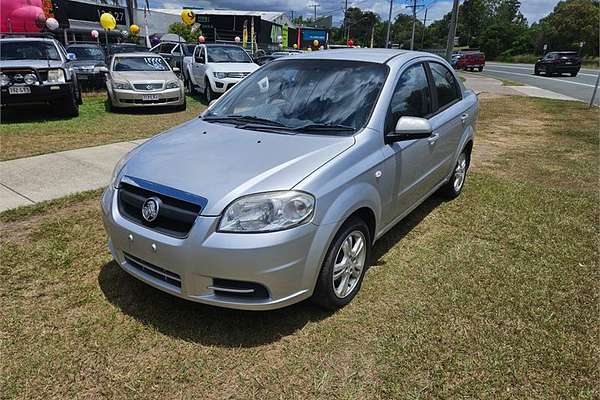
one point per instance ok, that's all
(29, 180)
(26, 181)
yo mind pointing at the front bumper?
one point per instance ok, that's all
(89, 78)
(40, 94)
(285, 263)
(134, 98)
(223, 85)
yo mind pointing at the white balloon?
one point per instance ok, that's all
(52, 24)
(94, 34)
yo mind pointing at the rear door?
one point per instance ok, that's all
(449, 119)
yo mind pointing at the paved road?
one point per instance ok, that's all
(580, 87)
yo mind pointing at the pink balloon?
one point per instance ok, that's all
(94, 34)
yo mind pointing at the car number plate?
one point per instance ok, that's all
(150, 97)
(82, 77)
(568, 63)
(19, 90)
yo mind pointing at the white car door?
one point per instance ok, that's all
(199, 66)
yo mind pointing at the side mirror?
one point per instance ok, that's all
(410, 128)
(176, 70)
(71, 56)
(101, 70)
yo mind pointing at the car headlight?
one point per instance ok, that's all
(121, 85)
(30, 79)
(219, 75)
(172, 85)
(267, 212)
(4, 80)
(56, 76)
(114, 179)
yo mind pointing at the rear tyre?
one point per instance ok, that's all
(453, 187)
(69, 106)
(480, 69)
(573, 74)
(536, 71)
(344, 266)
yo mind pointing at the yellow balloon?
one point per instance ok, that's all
(134, 29)
(188, 17)
(108, 21)
(315, 43)
(295, 46)
(309, 49)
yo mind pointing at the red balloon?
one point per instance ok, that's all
(350, 42)
(201, 39)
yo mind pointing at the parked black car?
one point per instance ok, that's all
(37, 70)
(558, 62)
(116, 48)
(90, 57)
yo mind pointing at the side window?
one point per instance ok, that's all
(411, 96)
(167, 47)
(446, 86)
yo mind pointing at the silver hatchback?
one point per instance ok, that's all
(278, 191)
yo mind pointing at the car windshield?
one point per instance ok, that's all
(123, 64)
(336, 96)
(86, 53)
(227, 54)
(22, 50)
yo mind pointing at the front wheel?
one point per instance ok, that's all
(573, 74)
(536, 71)
(189, 86)
(70, 106)
(345, 265)
(480, 69)
(209, 94)
(453, 187)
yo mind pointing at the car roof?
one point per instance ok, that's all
(380, 56)
(83, 45)
(27, 39)
(138, 54)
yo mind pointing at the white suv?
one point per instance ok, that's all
(217, 67)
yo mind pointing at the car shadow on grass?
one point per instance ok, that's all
(403, 228)
(28, 114)
(199, 323)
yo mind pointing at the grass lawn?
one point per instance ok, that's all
(22, 135)
(493, 295)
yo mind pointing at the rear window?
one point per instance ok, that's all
(569, 55)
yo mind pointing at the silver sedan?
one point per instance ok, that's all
(143, 80)
(279, 191)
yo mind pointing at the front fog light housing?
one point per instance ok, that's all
(30, 79)
(4, 80)
(220, 75)
(268, 212)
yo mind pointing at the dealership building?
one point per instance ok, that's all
(77, 18)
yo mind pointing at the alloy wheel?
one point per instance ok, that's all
(349, 264)
(459, 172)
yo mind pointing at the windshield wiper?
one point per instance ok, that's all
(323, 128)
(244, 119)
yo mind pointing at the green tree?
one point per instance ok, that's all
(179, 28)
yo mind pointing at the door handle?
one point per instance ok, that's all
(433, 138)
(463, 118)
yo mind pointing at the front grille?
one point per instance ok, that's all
(175, 216)
(140, 101)
(147, 86)
(238, 75)
(154, 271)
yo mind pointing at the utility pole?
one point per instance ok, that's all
(387, 36)
(452, 31)
(414, 7)
(345, 22)
(315, 8)
(424, 29)
(292, 19)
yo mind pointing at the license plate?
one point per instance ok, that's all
(19, 90)
(150, 97)
(82, 77)
(568, 63)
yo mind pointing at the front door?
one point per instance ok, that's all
(413, 158)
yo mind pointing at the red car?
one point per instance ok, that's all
(470, 61)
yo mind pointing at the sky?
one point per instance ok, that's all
(533, 10)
